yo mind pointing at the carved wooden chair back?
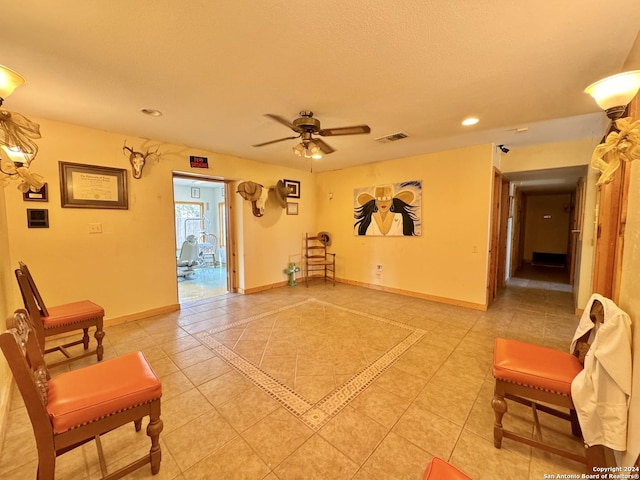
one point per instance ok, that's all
(36, 293)
(59, 319)
(23, 354)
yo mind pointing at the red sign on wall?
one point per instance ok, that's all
(198, 162)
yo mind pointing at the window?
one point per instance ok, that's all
(189, 220)
(222, 224)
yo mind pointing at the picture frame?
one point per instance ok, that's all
(294, 185)
(92, 186)
(39, 196)
(37, 218)
(195, 192)
(292, 208)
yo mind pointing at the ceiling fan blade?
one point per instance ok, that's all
(323, 146)
(275, 141)
(283, 121)
(354, 130)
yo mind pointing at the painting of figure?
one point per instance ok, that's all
(388, 210)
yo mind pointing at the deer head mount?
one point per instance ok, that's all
(139, 159)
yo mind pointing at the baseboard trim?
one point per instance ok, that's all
(141, 315)
(424, 296)
(248, 291)
(372, 286)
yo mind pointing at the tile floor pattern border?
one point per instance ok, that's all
(314, 415)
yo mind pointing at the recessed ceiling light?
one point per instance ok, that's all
(151, 112)
(470, 121)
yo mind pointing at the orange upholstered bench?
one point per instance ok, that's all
(527, 374)
(535, 366)
(438, 469)
(80, 396)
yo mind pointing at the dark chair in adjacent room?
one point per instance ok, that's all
(76, 407)
(438, 469)
(60, 319)
(318, 262)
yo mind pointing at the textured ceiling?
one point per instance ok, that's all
(417, 66)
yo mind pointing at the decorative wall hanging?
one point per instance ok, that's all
(256, 194)
(138, 159)
(282, 192)
(40, 195)
(292, 209)
(389, 210)
(294, 187)
(623, 144)
(89, 186)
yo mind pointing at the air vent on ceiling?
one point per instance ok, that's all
(392, 138)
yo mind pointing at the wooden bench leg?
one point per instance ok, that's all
(153, 430)
(99, 336)
(499, 405)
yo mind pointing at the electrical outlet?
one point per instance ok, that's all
(95, 228)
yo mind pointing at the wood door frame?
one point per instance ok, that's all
(494, 236)
(611, 223)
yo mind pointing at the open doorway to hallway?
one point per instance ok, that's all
(201, 237)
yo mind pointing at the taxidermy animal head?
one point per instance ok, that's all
(139, 159)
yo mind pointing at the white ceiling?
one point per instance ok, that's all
(416, 66)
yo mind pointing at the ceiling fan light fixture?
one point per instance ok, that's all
(614, 93)
(299, 150)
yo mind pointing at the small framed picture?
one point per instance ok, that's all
(38, 196)
(292, 208)
(195, 192)
(294, 186)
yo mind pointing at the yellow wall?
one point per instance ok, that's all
(630, 301)
(449, 260)
(548, 155)
(6, 277)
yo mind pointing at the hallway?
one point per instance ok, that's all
(327, 383)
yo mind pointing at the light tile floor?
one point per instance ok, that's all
(240, 373)
(205, 282)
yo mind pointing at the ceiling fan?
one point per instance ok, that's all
(306, 126)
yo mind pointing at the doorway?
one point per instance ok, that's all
(200, 213)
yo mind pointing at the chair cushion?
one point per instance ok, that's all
(90, 393)
(534, 366)
(438, 469)
(70, 313)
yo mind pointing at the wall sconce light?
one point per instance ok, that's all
(17, 138)
(614, 93)
(308, 149)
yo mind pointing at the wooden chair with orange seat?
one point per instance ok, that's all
(75, 407)
(69, 317)
(438, 469)
(542, 378)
